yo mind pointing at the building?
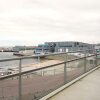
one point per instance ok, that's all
(67, 46)
(21, 48)
(70, 46)
(42, 48)
(97, 48)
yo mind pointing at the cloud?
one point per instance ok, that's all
(49, 20)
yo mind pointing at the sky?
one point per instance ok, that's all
(32, 22)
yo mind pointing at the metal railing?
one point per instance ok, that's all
(36, 83)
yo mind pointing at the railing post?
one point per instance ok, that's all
(85, 62)
(65, 69)
(65, 73)
(38, 58)
(20, 80)
(54, 70)
(66, 56)
(2, 93)
(96, 62)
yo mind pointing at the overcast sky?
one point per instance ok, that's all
(30, 22)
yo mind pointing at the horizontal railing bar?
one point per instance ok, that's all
(33, 70)
(34, 56)
(9, 76)
(11, 59)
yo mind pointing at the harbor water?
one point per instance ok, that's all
(12, 64)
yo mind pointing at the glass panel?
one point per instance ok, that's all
(28, 61)
(75, 69)
(98, 59)
(9, 89)
(39, 83)
(63, 57)
(9, 67)
(60, 57)
(90, 63)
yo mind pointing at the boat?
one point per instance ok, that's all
(18, 54)
(22, 53)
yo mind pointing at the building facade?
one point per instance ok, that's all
(42, 48)
(22, 48)
(67, 46)
(70, 46)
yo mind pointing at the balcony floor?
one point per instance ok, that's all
(87, 88)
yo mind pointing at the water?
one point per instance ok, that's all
(6, 55)
(12, 64)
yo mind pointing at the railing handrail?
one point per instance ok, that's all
(37, 69)
(39, 55)
(33, 56)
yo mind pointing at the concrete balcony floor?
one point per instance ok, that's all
(87, 88)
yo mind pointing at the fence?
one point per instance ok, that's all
(36, 83)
